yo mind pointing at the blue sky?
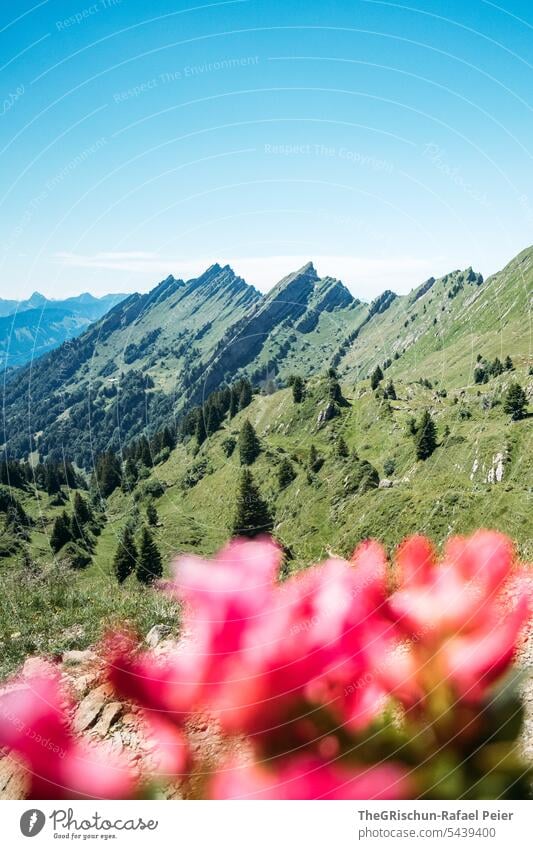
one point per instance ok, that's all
(386, 141)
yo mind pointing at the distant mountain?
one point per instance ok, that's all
(31, 327)
(153, 356)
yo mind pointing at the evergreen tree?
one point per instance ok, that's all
(60, 532)
(286, 473)
(481, 374)
(151, 514)
(341, 448)
(245, 397)
(376, 377)
(52, 481)
(213, 419)
(515, 404)
(252, 515)
(144, 454)
(80, 517)
(508, 363)
(200, 432)
(108, 474)
(168, 439)
(297, 390)
(234, 402)
(496, 367)
(149, 566)
(389, 391)
(426, 437)
(249, 447)
(125, 559)
(131, 472)
(69, 475)
(335, 392)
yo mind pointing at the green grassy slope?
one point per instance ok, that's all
(436, 335)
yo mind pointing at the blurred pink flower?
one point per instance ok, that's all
(34, 726)
(453, 612)
(306, 777)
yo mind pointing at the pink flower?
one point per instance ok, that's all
(453, 613)
(34, 727)
(308, 777)
(320, 638)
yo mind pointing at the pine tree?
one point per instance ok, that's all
(149, 565)
(426, 437)
(168, 439)
(297, 390)
(60, 532)
(80, 517)
(515, 404)
(245, 397)
(286, 473)
(376, 377)
(144, 453)
(252, 515)
(125, 559)
(108, 474)
(508, 363)
(315, 462)
(213, 419)
(52, 481)
(200, 432)
(233, 402)
(151, 514)
(390, 391)
(335, 392)
(341, 448)
(249, 447)
(496, 367)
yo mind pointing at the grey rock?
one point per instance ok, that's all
(156, 634)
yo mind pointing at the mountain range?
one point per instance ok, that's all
(152, 356)
(32, 327)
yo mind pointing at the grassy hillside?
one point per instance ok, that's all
(439, 328)
(480, 474)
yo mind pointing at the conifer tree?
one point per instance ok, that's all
(315, 461)
(335, 392)
(245, 397)
(144, 453)
(149, 566)
(234, 402)
(125, 559)
(515, 404)
(108, 474)
(61, 533)
(286, 473)
(390, 391)
(297, 390)
(376, 377)
(213, 419)
(249, 447)
(52, 481)
(167, 439)
(151, 514)
(341, 448)
(252, 515)
(80, 517)
(508, 363)
(200, 432)
(426, 437)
